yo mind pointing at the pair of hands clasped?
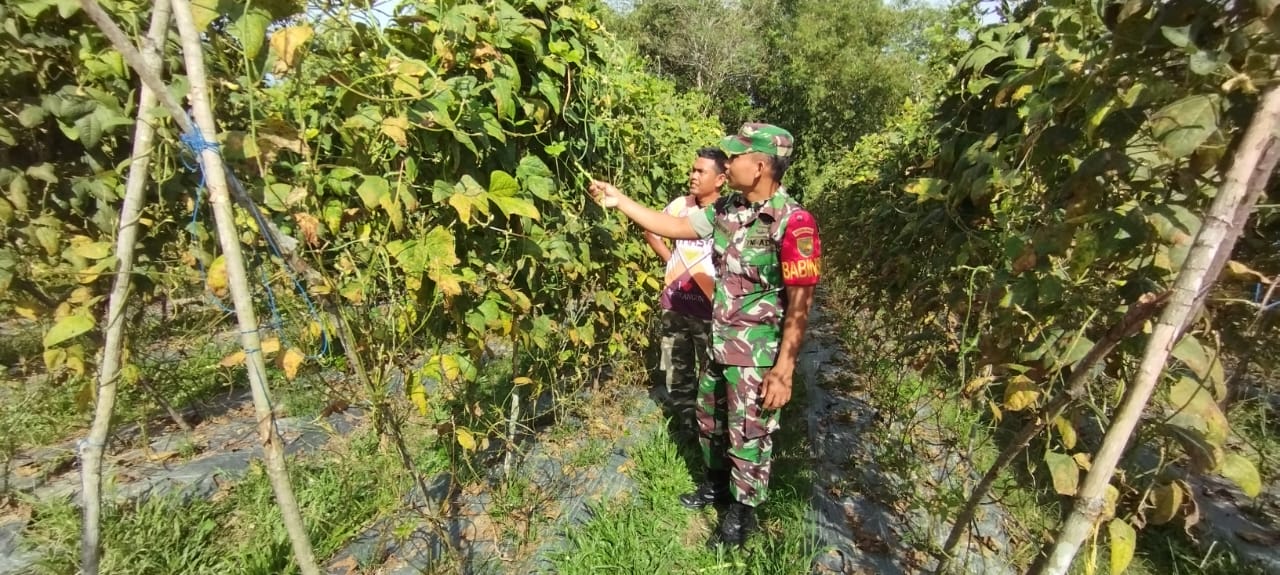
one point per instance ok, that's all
(777, 382)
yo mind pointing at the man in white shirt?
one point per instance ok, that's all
(689, 289)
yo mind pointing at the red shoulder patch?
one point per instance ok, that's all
(801, 255)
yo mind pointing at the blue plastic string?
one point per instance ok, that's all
(196, 143)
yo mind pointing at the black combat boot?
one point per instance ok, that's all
(738, 523)
(714, 489)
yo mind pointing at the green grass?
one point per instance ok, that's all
(653, 533)
(241, 532)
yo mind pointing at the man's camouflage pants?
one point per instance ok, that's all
(734, 431)
(686, 348)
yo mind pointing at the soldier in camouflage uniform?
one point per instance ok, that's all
(688, 292)
(767, 258)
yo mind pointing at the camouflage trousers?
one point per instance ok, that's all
(686, 349)
(735, 431)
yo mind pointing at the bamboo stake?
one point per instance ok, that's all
(1238, 193)
(238, 281)
(126, 237)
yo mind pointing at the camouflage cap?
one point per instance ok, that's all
(755, 137)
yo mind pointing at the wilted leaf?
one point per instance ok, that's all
(465, 439)
(309, 226)
(1166, 500)
(522, 381)
(290, 361)
(1243, 473)
(1066, 476)
(1123, 543)
(67, 328)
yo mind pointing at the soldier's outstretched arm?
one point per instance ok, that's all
(662, 224)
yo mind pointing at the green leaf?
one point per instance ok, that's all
(1124, 540)
(89, 130)
(1207, 367)
(276, 195)
(536, 177)
(32, 116)
(1243, 473)
(251, 31)
(1194, 408)
(372, 190)
(1178, 36)
(67, 328)
(1182, 126)
(501, 184)
(43, 172)
(1065, 472)
(516, 206)
(1203, 63)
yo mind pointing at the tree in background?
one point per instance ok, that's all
(831, 71)
(709, 47)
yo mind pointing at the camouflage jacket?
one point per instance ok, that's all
(750, 299)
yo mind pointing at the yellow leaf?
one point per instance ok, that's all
(465, 439)
(395, 128)
(92, 250)
(1123, 542)
(216, 277)
(285, 43)
(233, 360)
(269, 345)
(1243, 473)
(76, 365)
(418, 395)
(1065, 473)
(1166, 500)
(203, 12)
(290, 361)
(25, 311)
(54, 359)
(1066, 431)
(976, 384)
(1020, 394)
(80, 295)
(1109, 499)
(522, 381)
(68, 327)
(1082, 460)
(1243, 271)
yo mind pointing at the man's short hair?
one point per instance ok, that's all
(779, 165)
(716, 155)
